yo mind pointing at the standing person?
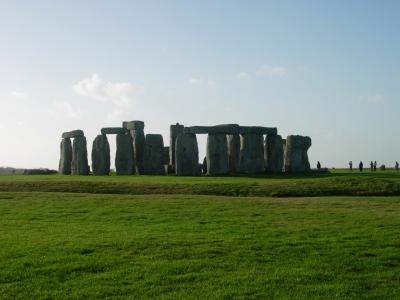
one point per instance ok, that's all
(372, 166)
(375, 166)
(351, 165)
(318, 165)
(397, 166)
(361, 166)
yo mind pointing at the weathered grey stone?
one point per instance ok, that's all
(124, 163)
(153, 158)
(273, 153)
(204, 165)
(72, 134)
(230, 129)
(233, 141)
(217, 154)
(101, 155)
(114, 130)
(296, 157)
(258, 130)
(186, 155)
(251, 159)
(64, 166)
(138, 148)
(284, 152)
(133, 125)
(174, 131)
(166, 155)
(79, 162)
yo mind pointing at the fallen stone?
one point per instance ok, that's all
(114, 130)
(153, 157)
(124, 159)
(79, 164)
(296, 157)
(101, 155)
(233, 141)
(72, 134)
(64, 166)
(251, 159)
(273, 153)
(187, 155)
(217, 154)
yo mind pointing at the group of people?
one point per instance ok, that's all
(372, 165)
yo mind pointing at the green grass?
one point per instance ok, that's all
(338, 183)
(57, 246)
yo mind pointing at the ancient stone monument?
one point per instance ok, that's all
(296, 157)
(124, 160)
(136, 129)
(217, 154)
(273, 153)
(153, 156)
(79, 163)
(233, 141)
(64, 166)
(186, 155)
(101, 155)
(174, 131)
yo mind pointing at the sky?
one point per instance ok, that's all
(326, 69)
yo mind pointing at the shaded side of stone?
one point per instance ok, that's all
(138, 139)
(72, 134)
(186, 155)
(153, 157)
(101, 155)
(79, 163)
(166, 155)
(64, 166)
(174, 131)
(217, 154)
(124, 164)
(296, 157)
(273, 153)
(233, 141)
(251, 159)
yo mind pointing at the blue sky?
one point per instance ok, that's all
(327, 69)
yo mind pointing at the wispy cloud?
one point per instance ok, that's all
(67, 109)
(271, 71)
(19, 95)
(243, 76)
(375, 99)
(202, 82)
(121, 95)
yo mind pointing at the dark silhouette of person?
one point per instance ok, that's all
(351, 165)
(318, 165)
(372, 166)
(375, 166)
(361, 166)
(397, 166)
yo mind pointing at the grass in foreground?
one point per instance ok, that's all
(56, 245)
(338, 183)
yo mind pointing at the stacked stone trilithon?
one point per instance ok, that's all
(73, 160)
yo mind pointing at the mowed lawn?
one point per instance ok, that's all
(87, 246)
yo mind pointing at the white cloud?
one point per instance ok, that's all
(19, 95)
(243, 76)
(375, 99)
(67, 109)
(202, 82)
(121, 95)
(271, 71)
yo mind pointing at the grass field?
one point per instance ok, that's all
(87, 245)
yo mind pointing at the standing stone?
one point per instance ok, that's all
(136, 129)
(64, 166)
(153, 158)
(174, 131)
(101, 155)
(186, 155)
(296, 157)
(124, 164)
(284, 153)
(204, 165)
(251, 159)
(233, 141)
(79, 156)
(217, 154)
(273, 153)
(166, 158)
